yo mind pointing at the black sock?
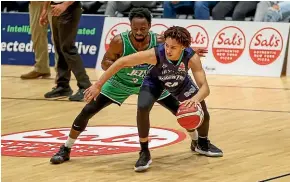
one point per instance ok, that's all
(144, 145)
(202, 140)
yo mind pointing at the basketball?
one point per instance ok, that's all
(190, 117)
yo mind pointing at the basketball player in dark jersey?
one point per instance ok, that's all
(171, 61)
(126, 82)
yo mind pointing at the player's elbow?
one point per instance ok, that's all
(104, 66)
(207, 91)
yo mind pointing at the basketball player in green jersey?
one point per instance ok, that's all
(123, 84)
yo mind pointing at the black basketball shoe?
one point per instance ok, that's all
(144, 161)
(208, 149)
(61, 156)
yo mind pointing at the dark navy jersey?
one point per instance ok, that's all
(173, 76)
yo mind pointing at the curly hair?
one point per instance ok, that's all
(140, 13)
(180, 34)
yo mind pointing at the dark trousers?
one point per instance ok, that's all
(240, 9)
(65, 29)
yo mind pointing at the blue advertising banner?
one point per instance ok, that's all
(16, 44)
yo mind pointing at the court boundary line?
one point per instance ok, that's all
(276, 177)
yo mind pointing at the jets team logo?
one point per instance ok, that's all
(96, 140)
(181, 67)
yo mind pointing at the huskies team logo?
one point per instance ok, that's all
(228, 44)
(199, 37)
(115, 30)
(181, 67)
(98, 140)
(266, 46)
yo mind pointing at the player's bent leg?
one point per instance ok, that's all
(79, 126)
(204, 146)
(172, 104)
(146, 100)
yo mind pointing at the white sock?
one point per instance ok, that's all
(69, 142)
(193, 135)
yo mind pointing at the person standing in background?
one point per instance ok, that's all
(65, 20)
(40, 42)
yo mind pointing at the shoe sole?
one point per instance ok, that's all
(56, 98)
(33, 78)
(59, 97)
(53, 162)
(209, 154)
(143, 168)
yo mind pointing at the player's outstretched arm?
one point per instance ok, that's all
(142, 57)
(200, 77)
(135, 59)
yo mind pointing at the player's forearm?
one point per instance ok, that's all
(202, 93)
(112, 70)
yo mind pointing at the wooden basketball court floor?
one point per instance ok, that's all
(250, 119)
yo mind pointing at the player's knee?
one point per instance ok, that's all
(88, 111)
(143, 108)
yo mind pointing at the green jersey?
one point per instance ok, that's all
(129, 80)
(133, 77)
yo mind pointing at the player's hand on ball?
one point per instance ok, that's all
(91, 93)
(191, 102)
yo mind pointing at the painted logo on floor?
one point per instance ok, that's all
(96, 140)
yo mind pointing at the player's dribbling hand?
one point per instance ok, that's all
(201, 52)
(91, 93)
(191, 102)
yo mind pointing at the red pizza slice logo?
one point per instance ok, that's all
(266, 46)
(199, 37)
(158, 28)
(115, 30)
(96, 140)
(228, 44)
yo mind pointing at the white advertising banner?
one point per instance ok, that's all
(235, 48)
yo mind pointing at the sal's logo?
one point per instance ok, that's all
(199, 37)
(115, 30)
(158, 28)
(97, 140)
(266, 46)
(228, 44)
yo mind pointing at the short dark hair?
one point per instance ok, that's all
(180, 34)
(140, 13)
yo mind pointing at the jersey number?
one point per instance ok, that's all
(135, 80)
(170, 84)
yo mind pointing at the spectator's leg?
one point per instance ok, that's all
(223, 8)
(114, 6)
(39, 39)
(285, 10)
(169, 11)
(51, 29)
(262, 8)
(202, 9)
(243, 8)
